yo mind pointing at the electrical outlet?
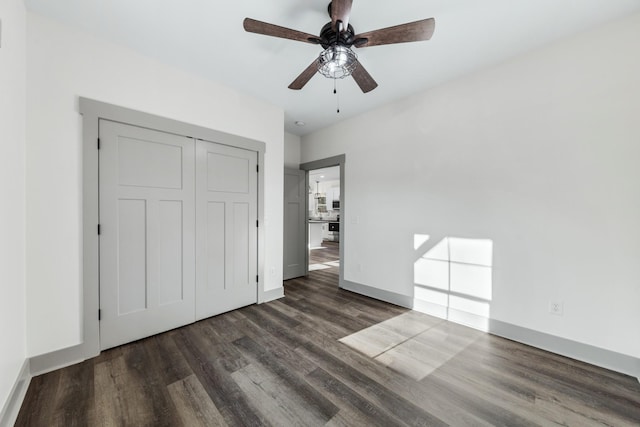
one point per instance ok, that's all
(556, 307)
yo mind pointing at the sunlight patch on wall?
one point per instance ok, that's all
(453, 279)
(419, 240)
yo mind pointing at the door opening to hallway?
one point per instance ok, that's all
(314, 206)
(324, 218)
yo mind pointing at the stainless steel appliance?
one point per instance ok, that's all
(334, 231)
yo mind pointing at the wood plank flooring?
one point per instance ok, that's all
(329, 254)
(324, 356)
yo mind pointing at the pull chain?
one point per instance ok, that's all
(335, 91)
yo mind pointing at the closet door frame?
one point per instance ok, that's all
(92, 111)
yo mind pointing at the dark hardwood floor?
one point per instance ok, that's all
(324, 356)
(330, 253)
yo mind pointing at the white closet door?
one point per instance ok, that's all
(147, 217)
(226, 228)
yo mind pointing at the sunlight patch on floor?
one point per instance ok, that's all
(413, 343)
(314, 267)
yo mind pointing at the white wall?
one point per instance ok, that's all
(540, 155)
(291, 150)
(12, 195)
(64, 64)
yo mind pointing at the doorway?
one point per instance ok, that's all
(324, 218)
(325, 224)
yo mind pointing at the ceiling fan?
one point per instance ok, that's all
(337, 37)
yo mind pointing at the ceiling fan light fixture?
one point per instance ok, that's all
(337, 62)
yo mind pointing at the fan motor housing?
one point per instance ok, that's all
(328, 37)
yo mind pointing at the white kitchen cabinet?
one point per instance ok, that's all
(325, 232)
(315, 233)
(335, 195)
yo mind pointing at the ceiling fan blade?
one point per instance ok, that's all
(340, 11)
(364, 79)
(259, 27)
(410, 32)
(305, 76)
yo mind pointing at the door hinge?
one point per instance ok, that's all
(98, 143)
(257, 224)
(99, 229)
(257, 278)
(257, 168)
(99, 314)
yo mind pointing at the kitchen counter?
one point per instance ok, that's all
(322, 229)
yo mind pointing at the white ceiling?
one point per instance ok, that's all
(206, 37)
(325, 174)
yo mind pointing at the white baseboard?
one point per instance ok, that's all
(273, 294)
(12, 406)
(381, 294)
(71, 355)
(56, 360)
(607, 359)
